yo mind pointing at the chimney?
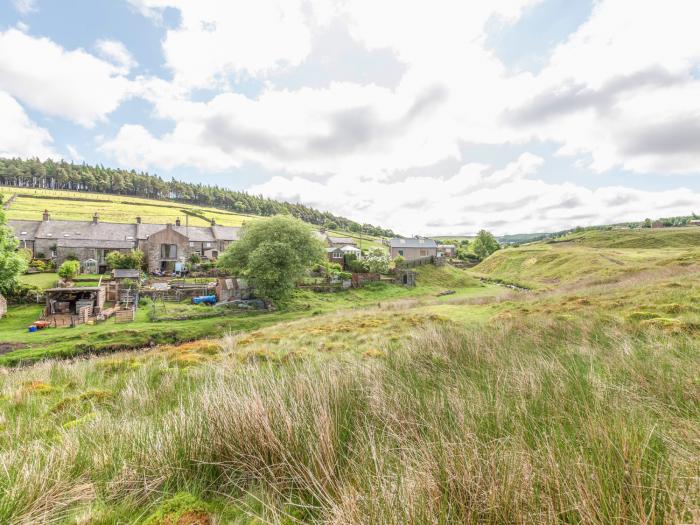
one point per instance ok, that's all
(177, 221)
(138, 220)
(96, 218)
(213, 221)
(45, 216)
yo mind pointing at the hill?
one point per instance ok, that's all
(593, 256)
(32, 173)
(643, 238)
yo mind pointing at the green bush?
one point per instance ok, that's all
(69, 270)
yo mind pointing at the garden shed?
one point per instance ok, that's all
(69, 301)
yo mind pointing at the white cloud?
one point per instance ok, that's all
(25, 6)
(615, 92)
(610, 96)
(117, 53)
(19, 136)
(504, 201)
(70, 84)
(345, 128)
(217, 39)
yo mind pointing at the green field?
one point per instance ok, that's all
(576, 401)
(67, 205)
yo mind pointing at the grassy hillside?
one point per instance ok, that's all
(68, 205)
(592, 258)
(546, 422)
(643, 238)
(574, 402)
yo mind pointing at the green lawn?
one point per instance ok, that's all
(40, 280)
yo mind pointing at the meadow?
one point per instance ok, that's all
(574, 401)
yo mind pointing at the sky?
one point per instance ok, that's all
(431, 118)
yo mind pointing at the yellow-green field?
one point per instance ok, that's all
(67, 205)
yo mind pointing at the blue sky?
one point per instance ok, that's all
(521, 115)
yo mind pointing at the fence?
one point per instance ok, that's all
(125, 316)
(418, 262)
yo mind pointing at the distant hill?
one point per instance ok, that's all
(61, 175)
(685, 237)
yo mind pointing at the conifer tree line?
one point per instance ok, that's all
(62, 175)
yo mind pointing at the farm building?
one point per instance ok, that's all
(3, 306)
(337, 254)
(412, 249)
(447, 250)
(165, 245)
(80, 300)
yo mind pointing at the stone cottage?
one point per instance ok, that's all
(164, 245)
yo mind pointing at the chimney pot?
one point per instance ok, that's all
(138, 220)
(96, 218)
(177, 221)
(168, 226)
(45, 216)
(213, 221)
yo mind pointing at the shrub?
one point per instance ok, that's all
(69, 269)
(131, 260)
(377, 261)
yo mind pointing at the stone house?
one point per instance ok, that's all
(412, 249)
(163, 244)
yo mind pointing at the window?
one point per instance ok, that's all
(424, 253)
(207, 245)
(337, 255)
(401, 253)
(168, 251)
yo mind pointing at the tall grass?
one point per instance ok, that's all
(538, 422)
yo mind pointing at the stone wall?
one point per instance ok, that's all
(151, 248)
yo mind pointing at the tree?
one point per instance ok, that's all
(485, 244)
(132, 260)
(12, 263)
(377, 261)
(274, 253)
(69, 269)
(647, 223)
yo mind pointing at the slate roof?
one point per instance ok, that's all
(95, 243)
(342, 240)
(412, 243)
(24, 229)
(226, 233)
(106, 232)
